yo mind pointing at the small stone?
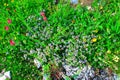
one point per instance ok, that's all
(37, 63)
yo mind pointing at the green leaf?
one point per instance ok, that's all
(66, 77)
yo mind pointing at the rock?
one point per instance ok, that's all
(88, 73)
(37, 63)
(74, 1)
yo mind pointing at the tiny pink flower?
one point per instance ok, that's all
(6, 28)
(9, 21)
(45, 18)
(42, 14)
(12, 43)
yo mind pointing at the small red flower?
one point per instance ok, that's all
(12, 43)
(6, 28)
(45, 18)
(9, 21)
(42, 14)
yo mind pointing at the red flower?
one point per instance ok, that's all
(12, 42)
(42, 14)
(45, 18)
(6, 28)
(9, 21)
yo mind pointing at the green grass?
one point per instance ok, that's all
(99, 29)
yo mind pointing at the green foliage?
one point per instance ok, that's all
(71, 34)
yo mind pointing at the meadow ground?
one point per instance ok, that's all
(37, 37)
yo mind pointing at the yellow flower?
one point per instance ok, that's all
(116, 58)
(94, 40)
(5, 4)
(12, 0)
(108, 51)
(95, 31)
(101, 7)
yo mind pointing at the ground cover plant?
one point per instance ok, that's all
(58, 34)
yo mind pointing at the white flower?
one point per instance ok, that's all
(5, 76)
(2, 78)
(89, 8)
(32, 51)
(116, 58)
(25, 56)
